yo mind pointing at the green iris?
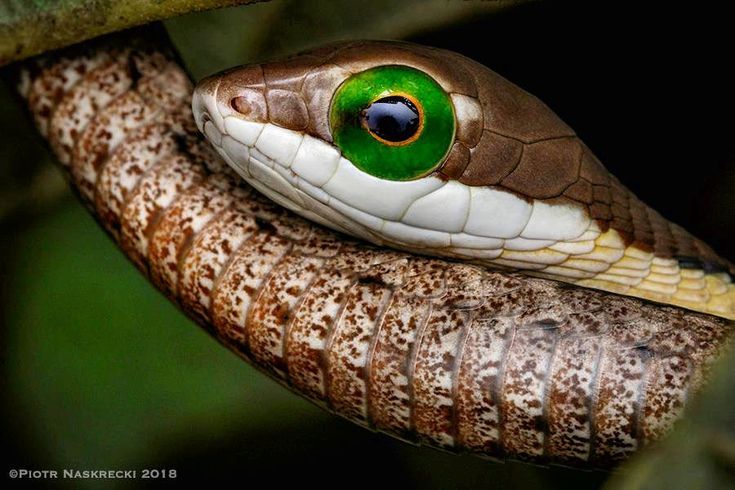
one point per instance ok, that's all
(393, 122)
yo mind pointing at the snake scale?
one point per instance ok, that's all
(447, 354)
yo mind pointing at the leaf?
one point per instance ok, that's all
(29, 27)
(323, 21)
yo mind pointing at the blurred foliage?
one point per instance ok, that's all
(100, 371)
(29, 27)
(29, 184)
(260, 32)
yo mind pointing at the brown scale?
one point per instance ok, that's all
(452, 355)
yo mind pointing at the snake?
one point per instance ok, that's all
(425, 334)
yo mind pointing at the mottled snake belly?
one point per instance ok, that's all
(447, 354)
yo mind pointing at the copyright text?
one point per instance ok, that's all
(71, 474)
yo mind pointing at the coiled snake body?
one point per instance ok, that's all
(448, 354)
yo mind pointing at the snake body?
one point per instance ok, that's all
(447, 354)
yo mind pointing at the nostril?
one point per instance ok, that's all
(252, 105)
(237, 104)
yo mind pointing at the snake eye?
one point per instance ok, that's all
(393, 119)
(393, 122)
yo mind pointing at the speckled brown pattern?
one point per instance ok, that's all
(451, 355)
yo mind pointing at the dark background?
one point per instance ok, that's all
(98, 371)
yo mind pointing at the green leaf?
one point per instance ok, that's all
(29, 27)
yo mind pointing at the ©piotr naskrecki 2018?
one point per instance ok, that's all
(76, 474)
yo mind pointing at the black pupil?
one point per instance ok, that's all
(393, 118)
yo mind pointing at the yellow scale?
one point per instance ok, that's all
(606, 263)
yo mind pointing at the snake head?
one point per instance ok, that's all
(397, 143)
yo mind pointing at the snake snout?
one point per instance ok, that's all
(237, 93)
(244, 94)
(204, 105)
